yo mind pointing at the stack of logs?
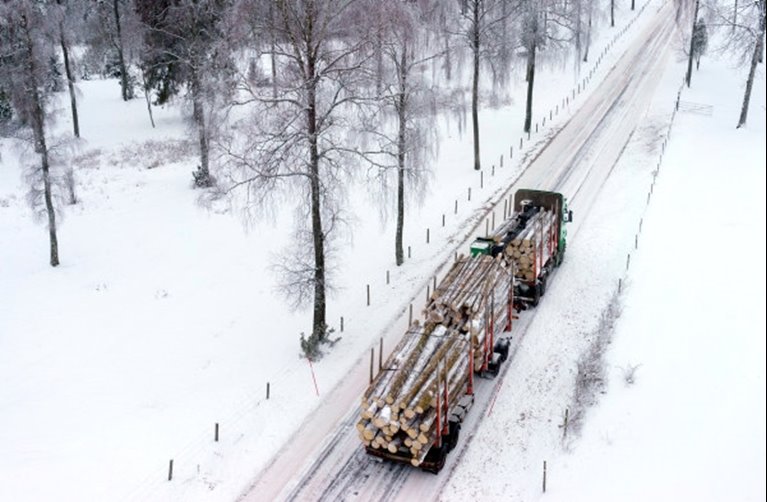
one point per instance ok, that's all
(474, 297)
(533, 245)
(399, 409)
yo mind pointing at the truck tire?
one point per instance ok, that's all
(455, 431)
(542, 284)
(502, 348)
(561, 256)
(536, 295)
(435, 459)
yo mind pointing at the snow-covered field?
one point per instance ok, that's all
(692, 426)
(162, 319)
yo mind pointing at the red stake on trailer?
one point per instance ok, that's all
(551, 240)
(470, 388)
(447, 409)
(439, 409)
(510, 306)
(484, 342)
(492, 324)
(539, 255)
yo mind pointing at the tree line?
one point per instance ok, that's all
(289, 97)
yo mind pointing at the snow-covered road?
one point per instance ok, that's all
(324, 461)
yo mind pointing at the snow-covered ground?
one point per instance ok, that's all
(692, 426)
(162, 319)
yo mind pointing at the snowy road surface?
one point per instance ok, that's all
(324, 460)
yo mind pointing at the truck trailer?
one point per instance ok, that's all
(413, 410)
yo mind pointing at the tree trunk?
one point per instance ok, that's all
(758, 47)
(588, 40)
(41, 147)
(379, 58)
(448, 62)
(612, 13)
(633, 4)
(273, 41)
(319, 324)
(688, 77)
(202, 177)
(475, 85)
(146, 97)
(70, 82)
(124, 83)
(531, 77)
(505, 53)
(401, 149)
(578, 32)
(761, 32)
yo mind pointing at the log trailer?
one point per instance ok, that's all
(413, 410)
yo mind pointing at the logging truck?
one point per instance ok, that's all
(533, 240)
(413, 410)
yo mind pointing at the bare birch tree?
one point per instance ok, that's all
(690, 55)
(119, 44)
(745, 41)
(26, 47)
(756, 17)
(403, 135)
(64, 17)
(296, 144)
(545, 25)
(480, 21)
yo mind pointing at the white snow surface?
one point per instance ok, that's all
(162, 319)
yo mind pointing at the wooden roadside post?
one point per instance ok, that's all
(372, 357)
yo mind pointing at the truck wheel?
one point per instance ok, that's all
(455, 430)
(536, 295)
(542, 284)
(502, 349)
